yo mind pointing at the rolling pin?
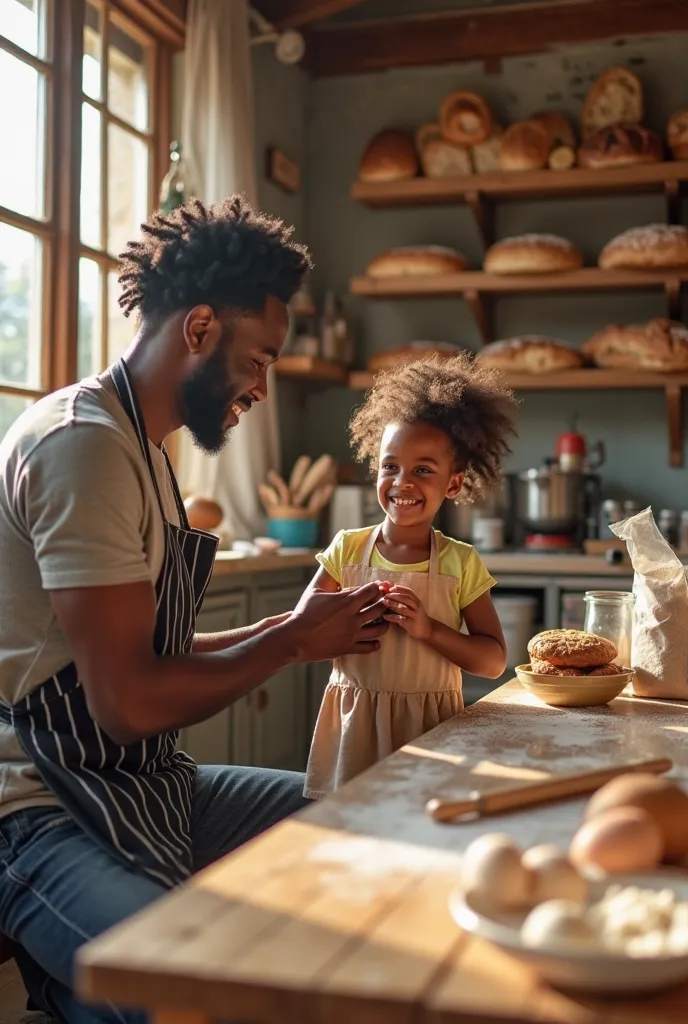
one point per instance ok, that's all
(513, 798)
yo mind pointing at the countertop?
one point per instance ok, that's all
(341, 913)
(230, 563)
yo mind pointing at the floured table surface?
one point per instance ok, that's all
(340, 915)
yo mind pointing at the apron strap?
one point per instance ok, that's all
(433, 568)
(127, 396)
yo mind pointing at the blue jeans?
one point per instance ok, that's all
(58, 889)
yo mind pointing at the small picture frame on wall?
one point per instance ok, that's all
(283, 171)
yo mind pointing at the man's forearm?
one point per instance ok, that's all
(210, 643)
(182, 690)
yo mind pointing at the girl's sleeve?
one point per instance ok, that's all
(475, 579)
(332, 558)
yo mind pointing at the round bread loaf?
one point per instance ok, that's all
(389, 156)
(530, 353)
(417, 261)
(443, 159)
(615, 98)
(572, 648)
(557, 126)
(525, 147)
(202, 513)
(410, 354)
(532, 254)
(545, 668)
(654, 246)
(427, 133)
(485, 155)
(677, 135)
(604, 670)
(660, 345)
(465, 117)
(621, 145)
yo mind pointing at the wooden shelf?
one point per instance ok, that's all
(310, 369)
(673, 385)
(505, 185)
(588, 279)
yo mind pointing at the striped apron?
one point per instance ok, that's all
(134, 800)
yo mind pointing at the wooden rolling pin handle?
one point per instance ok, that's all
(558, 788)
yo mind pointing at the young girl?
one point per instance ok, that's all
(431, 430)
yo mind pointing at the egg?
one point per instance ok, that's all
(556, 922)
(661, 798)
(492, 868)
(554, 876)
(623, 839)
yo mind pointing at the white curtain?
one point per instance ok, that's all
(219, 151)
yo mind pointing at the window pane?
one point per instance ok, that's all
(11, 407)
(93, 50)
(120, 328)
(127, 78)
(127, 187)
(89, 357)
(90, 176)
(20, 307)
(23, 22)
(23, 122)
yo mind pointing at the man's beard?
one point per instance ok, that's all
(207, 397)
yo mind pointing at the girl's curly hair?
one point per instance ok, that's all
(465, 400)
(224, 255)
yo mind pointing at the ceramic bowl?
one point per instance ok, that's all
(582, 968)
(573, 691)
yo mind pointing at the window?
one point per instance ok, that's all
(85, 105)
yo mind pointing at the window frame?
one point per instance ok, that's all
(59, 229)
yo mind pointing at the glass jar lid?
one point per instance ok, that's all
(608, 597)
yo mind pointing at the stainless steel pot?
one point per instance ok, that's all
(550, 501)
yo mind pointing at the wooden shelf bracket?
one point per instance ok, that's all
(674, 404)
(672, 199)
(483, 212)
(481, 308)
(672, 290)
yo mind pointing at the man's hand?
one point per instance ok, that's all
(405, 609)
(329, 625)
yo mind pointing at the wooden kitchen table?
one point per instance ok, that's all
(339, 916)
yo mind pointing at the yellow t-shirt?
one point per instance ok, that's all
(455, 559)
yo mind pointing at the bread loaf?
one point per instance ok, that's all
(410, 354)
(532, 254)
(465, 117)
(621, 145)
(677, 135)
(531, 353)
(443, 159)
(655, 246)
(557, 126)
(416, 261)
(389, 156)
(525, 147)
(660, 345)
(426, 133)
(615, 98)
(485, 155)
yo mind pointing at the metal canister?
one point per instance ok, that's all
(667, 524)
(610, 512)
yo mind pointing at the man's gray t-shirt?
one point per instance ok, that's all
(77, 509)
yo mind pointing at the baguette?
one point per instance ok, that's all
(268, 497)
(319, 474)
(276, 481)
(298, 473)
(320, 498)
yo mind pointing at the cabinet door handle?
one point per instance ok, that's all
(262, 699)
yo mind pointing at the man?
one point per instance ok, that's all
(102, 578)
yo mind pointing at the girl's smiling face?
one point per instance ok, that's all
(417, 471)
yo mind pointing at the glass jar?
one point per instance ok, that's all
(609, 613)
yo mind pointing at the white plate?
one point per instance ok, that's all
(585, 969)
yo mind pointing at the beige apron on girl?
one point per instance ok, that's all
(375, 703)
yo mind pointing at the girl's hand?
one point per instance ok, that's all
(406, 611)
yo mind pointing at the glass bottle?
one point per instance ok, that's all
(609, 613)
(328, 329)
(175, 186)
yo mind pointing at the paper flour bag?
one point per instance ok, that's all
(659, 650)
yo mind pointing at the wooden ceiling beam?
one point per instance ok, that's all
(485, 33)
(296, 13)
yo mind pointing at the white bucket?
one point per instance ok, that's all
(517, 616)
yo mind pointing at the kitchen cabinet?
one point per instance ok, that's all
(210, 742)
(270, 724)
